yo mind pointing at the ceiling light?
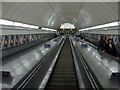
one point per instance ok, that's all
(6, 22)
(101, 26)
(17, 24)
(32, 26)
(26, 25)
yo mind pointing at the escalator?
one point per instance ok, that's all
(63, 76)
(70, 71)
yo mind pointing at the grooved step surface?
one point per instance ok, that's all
(63, 76)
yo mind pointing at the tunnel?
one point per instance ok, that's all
(59, 45)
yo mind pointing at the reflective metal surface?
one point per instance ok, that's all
(101, 65)
(23, 64)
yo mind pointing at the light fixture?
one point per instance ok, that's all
(6, 22)
(48, 29)
(102, 26)
(18, 24)
(35, 27)
(67, 26)
(12, 23)
(26, 25)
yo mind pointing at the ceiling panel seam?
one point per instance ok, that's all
(16, 9)
(54, 12)
(108, 9)
(89, 9)
(32, 13)
(103, 13)
(82, 3)
(26, 16)
(111, 5)
(8, 8)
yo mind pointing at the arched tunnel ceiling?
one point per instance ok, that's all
(53, 14)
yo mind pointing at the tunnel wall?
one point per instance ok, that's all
(24, 43)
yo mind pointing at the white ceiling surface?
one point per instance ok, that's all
(53, 14)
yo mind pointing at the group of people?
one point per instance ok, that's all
(107, 45)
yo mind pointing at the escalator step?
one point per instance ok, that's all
(63, 76)
(64, 80)
(63, 70)
(62, 88)
(70, 73)
(63, 84)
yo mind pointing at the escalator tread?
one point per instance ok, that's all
(63, 76)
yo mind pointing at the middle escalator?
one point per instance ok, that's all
(63, 76)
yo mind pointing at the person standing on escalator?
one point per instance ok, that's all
(102, 44)
(111, 49)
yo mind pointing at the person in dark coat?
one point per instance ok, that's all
(110, 49)
(102, 44)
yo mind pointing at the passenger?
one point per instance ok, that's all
(110, 49)
(102, 44)
(108, 37)
(82, 38)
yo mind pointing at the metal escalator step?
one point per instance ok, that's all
(66, 74)
(69, 69)
(63, 72)
(64, 56)
(60, 68)
(63, 76)
(63, 84)
(62, 88)
(64, 80)
(64, 67)
(67, 65)
(66, 61)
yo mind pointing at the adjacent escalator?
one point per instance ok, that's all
(63, 76)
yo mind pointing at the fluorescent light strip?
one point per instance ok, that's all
(18, 24)
(48, 29)
(26, 25)
(102, 26)
(12, 23)
(6, 22)
(32, 26)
